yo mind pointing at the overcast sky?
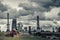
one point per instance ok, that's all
(26, 10)
(29, 9)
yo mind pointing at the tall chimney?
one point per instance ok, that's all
(8, 22)
(38, 22)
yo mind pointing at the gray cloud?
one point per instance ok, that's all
(32, 7)
(25, 12)
(3, 7)
(47, 3)
(44, 6)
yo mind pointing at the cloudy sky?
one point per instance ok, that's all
(26, 10)
(29, 9)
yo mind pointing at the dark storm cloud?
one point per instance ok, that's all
(47, 3)
(41, 16)
(29, 8)
(25, 12)
(16, 14)
(44, 5)
(3, 7)
(55, 3)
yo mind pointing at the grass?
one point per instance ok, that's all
(1, 33)
(22, 37)
(32, 38)
(11, 38)
(25, 37)
(3, 37)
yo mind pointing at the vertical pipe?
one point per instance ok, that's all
(38, 22)
(8, 22)
(30, 30)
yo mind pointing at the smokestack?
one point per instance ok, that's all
(8, 22)
(38, 22)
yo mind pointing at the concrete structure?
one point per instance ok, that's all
(25, 29)
(14, 24)
(3, 28)
(20, 27)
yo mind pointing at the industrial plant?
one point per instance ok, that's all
(16, 28)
